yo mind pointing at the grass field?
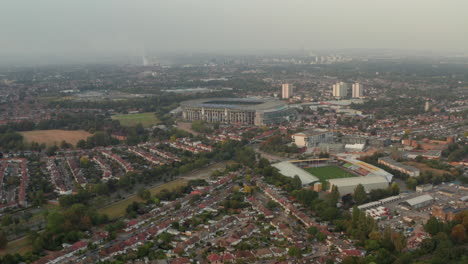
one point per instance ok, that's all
(20, 246)
(146, 119)
(55, 136)
(329, 172)
(117, 209)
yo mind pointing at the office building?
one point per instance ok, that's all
(312, 138)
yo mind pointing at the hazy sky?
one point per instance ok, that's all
(117, 26)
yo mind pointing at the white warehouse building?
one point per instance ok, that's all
(348, 185)
(420, 201)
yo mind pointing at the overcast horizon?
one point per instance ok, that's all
(108, 27)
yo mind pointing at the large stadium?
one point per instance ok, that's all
(237, 111)
(341, 172)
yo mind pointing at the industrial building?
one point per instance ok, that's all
(237, 111)
(430, 154)
(424, 188)
(419, 202)
(403, 168)
(348, 185)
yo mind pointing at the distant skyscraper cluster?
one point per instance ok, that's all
(148, 61)
(340, 90)
(330, 59)
(144, 61)
(287, 91)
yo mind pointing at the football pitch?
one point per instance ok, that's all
(329, 172)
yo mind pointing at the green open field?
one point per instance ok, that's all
(20, 246)
(117, 209)
(329, 172)
(146, 119)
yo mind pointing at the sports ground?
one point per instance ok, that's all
(329, 172)
(55, 136)
(146, 119)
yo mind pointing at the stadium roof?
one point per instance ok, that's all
(253, 104)
(353, 181)
(290, 170)
(420, 199)
(374, 171)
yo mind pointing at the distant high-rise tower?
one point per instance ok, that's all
(427, 106)
(144, 61)
(340, 89)
(287, 91)
(357, 90)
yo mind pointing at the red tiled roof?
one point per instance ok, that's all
(214, 257)
(228, 256)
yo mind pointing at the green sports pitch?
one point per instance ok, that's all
(329, 172)
(147, 119)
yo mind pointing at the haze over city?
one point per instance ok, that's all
(116, 27)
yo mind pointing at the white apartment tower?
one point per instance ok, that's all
(427, 106)
(287, 91)
(357, 90)
(340, 89)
